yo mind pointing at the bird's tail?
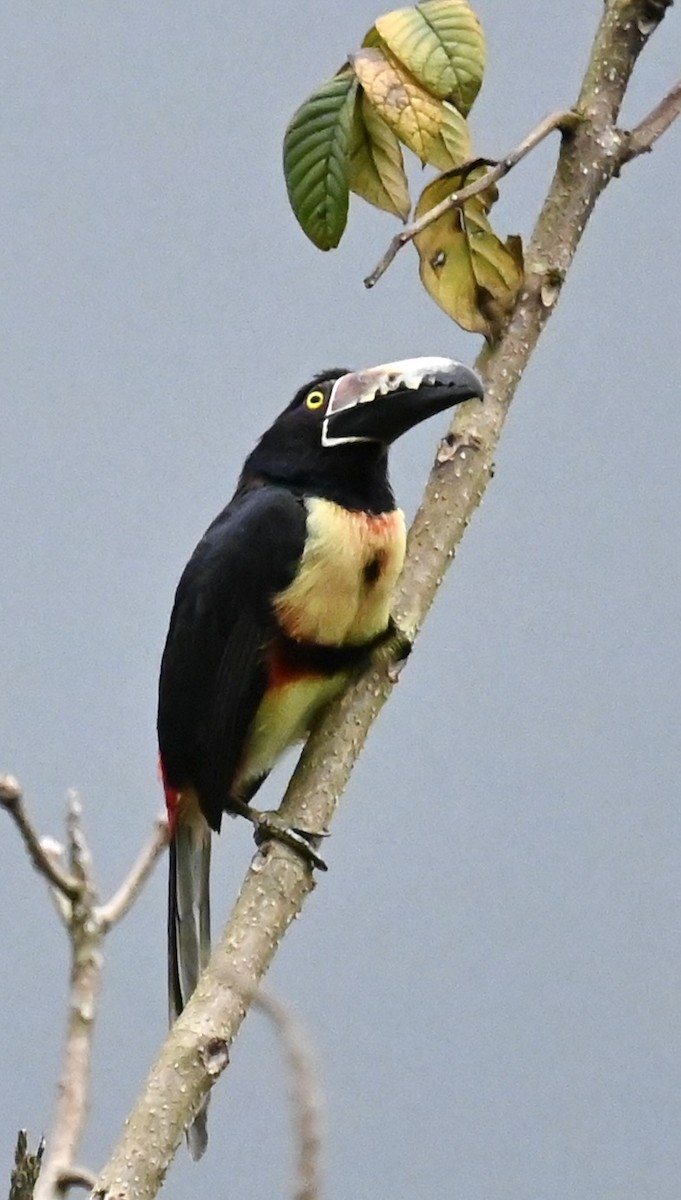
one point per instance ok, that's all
(189, 927)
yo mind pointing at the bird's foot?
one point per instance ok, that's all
(272, 826)
(394, 650)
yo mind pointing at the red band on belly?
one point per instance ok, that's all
(285, 668)
(172, 796)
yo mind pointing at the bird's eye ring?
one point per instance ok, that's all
(315, 399)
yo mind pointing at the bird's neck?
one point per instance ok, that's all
(354, 476)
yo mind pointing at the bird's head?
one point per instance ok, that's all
(338, 427)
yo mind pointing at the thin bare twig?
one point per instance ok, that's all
(87, 922)
(124, 897)
(306, 1096)
(565, 120)
(55, 852)
(642, 138)
(12, 800)
(79, 851)
(76, 1177)
(305, 1092)
(85, 983)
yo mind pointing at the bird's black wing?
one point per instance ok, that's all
(214, 672)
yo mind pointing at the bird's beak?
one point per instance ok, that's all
(379, 404)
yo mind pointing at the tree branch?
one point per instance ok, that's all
(306, 1098)
(560, 120)
(75, 1177)
(278, 882)
(12, 800)
(85, 937)
(642, 138)
(26, 1168)
(87, 924)
(121, 902)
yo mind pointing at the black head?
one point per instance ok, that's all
(332, 439)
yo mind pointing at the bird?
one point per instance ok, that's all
(285, 598)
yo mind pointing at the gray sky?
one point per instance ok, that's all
(490, 970)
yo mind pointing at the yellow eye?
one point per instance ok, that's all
(315, 399)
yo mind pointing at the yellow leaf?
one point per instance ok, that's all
(414, 116)
(464, 266)
(376, 165)
(441, 44)
(456, 136)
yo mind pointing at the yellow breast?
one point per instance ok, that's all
(343, 590)
(284, 717)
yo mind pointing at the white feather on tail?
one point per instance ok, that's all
(189, 927)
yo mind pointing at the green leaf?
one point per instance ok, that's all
(464, 266)
(373, 38)
(376, 164)
(316, 159)
(441, 44)
(414, 116)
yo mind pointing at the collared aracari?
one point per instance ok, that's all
(283, 600)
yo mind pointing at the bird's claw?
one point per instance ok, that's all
(394, 651)
(270, 826)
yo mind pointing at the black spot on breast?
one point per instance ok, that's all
(372, 570)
